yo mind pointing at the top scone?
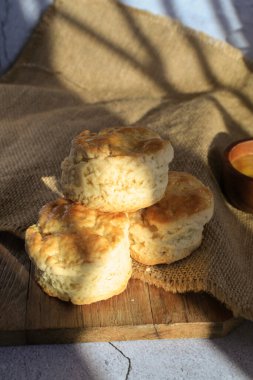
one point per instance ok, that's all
(117, 169)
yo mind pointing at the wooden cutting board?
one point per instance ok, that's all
(29, 316)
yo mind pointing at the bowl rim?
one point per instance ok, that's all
(228, 162)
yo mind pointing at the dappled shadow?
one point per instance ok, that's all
(152, 68)
(229, 20)
(215, 82)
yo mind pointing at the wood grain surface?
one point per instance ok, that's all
(29, 316)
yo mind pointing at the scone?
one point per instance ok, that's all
(117, 169)
(172, 228)
(80, 255)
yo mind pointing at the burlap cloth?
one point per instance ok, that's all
(94, 64)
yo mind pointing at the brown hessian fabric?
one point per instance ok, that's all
(96, 64)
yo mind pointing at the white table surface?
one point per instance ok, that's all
(224, 358)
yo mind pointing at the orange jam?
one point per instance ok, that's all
(244, 164)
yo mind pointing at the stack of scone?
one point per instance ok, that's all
(121, 202)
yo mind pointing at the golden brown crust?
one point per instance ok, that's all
(78, 234)
(124, 141)
(185, 196)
